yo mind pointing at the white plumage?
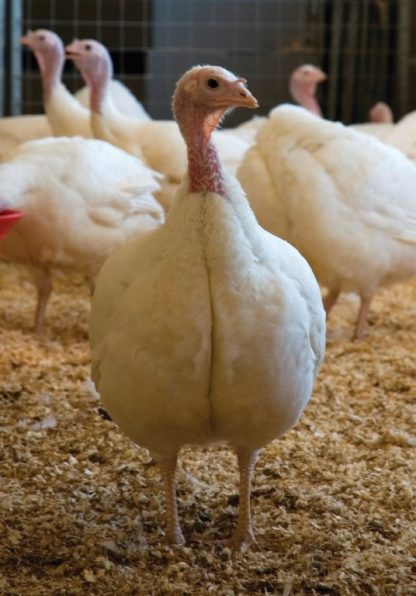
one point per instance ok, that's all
(380, 130)
(303, 83)
(381, 121)
(158, 142)
(403, 135)
(162, 147)
(81, 200)
(70, 117)
(123, 99)
(344, 199)
(210, 284)
(18, 129)
(66, 113)
(209, 328)
(67, 117)
(247, 131)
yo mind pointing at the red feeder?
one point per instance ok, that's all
(8, 218)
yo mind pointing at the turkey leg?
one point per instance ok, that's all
(44, 286)
(173, 529)
(243, 535)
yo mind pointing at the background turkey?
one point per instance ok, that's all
(332, 500)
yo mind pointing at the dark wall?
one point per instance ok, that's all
(262, 41)
(360, 44)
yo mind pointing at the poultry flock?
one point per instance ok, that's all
(204, 247)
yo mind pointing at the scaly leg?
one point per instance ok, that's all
(44, 286)
(243, 535)
(362, 316)
(173, 529)
(329, 301)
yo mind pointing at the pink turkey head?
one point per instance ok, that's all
(381, 113)
(49, 51)
(302, 85)
(94, 62)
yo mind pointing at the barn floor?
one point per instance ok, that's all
(82, 508)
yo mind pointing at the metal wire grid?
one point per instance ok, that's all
(153, 41)
(250, 38)
(109, 21)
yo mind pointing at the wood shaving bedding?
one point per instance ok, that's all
(82, 508)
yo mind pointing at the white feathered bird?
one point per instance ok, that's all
(122, 97)
(81, 199)
(210, 328)
(344, 199)
(158, 142)
(381, 121)
(67, 115)
(403, 135)
(303, 83)
(381, 113)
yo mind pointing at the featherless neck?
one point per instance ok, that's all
(305, 96)
(204, 166)
(97, 96)
(309, 102)
(98, 80)
(51, 65)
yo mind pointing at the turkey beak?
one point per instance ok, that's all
(241, 96)
(26, 40)
(71, 50)
(321, 76)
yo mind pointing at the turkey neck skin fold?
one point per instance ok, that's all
(218, 332)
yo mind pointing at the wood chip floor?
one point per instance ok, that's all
(82, 508)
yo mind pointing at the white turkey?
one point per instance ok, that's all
(67, 117)
(210, 328)
(248, 129)
(158, 142)
(381, 113)
(303, 83)
(81, 200)
(122, 97)
(381, 121)
(403, 135)
(344, 199)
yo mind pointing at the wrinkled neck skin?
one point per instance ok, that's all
(204, 166)
(51, 64)
(305, 96)
(98, 80)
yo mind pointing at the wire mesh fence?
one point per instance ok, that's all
(363, 45)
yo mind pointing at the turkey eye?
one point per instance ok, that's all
(88, 46)
(41, 38)
(213, 83)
